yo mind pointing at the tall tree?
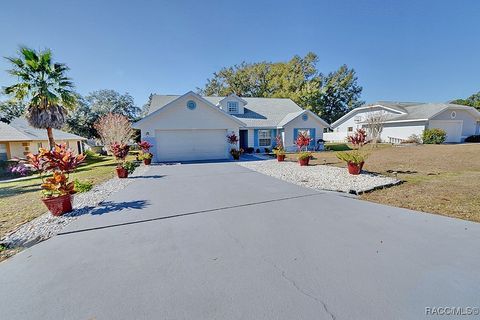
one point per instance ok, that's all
(472, 101)
(329, 96)
(10, 110)
(44, 87)
(97, 104)
(339, 93)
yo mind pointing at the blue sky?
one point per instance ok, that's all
(401, 50)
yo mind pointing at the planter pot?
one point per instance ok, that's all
(59, 205)
(147, 162)
(122, 172)
(355, 168)
(280, 157)
(304, 162)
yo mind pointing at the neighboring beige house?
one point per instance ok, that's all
(18, 139)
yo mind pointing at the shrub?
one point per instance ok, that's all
(257, 151)
(145, 146)
(414, 138)
(83, 186)
(267, 150)
(474, 138)
(434, 136)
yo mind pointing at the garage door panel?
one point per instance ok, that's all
(453, 128)
(182, 145)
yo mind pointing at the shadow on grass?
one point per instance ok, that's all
(18, 190)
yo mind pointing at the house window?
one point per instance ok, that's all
(191, 104)
(350, 129)
(305, 132)
(264, 138)
(232, 106)
(3, 152)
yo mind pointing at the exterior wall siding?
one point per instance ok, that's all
(469, 122)
(291, 131)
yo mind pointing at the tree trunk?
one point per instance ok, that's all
(51, 141)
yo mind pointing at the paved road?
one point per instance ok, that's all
(217, 241)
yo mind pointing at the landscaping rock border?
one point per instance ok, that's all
(47, 225)
(322, 177)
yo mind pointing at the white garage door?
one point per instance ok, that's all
(184, 145)
(453, 128)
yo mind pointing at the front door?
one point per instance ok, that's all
(244, 139)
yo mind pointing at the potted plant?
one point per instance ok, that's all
(279, 149)
(145, 153)
(236, 153)
(302, 142)
(120, 152)
(233, 140)
(54, 167)
(354, 159)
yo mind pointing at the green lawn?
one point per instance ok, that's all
(20, 200)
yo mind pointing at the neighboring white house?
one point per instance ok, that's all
(192, 127)
(18, 139)
(404, 119)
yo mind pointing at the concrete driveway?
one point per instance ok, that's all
(218, 241)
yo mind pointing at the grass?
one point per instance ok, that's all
(441, 179)
(20, 200)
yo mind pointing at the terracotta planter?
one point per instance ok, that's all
(304, 162)
(59, 205)
(147, 162)
(280, 157)
(122, 172)
(355, 168)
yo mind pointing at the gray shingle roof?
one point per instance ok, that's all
(20, 130)
(259, 112)
(413, 111)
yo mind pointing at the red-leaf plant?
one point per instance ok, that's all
(145, 146)
(145, 153)
(60, 162)
(358, 139)
(303, 140)
(232, 138)
(120, 152)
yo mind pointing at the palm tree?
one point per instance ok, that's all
(46, 90)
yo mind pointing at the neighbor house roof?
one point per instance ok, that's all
(409, 111)
(258, 112)
(20, 130)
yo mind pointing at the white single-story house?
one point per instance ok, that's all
(18, 138)
(401, 120)
(192, 127)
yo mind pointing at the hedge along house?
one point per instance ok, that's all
(192, 127)
(401, 120)
(18, 138)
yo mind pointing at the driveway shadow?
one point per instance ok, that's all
(155, 176)
(108, 207)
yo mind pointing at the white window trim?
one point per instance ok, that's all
(232, 106)
(263, 137)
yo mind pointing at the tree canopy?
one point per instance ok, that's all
(330, 96)
(97, 104)
(472, 101)
(44, 88)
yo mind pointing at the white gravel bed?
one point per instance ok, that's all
(321, 177)
(48, 225)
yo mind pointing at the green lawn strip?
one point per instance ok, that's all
(20, 200)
